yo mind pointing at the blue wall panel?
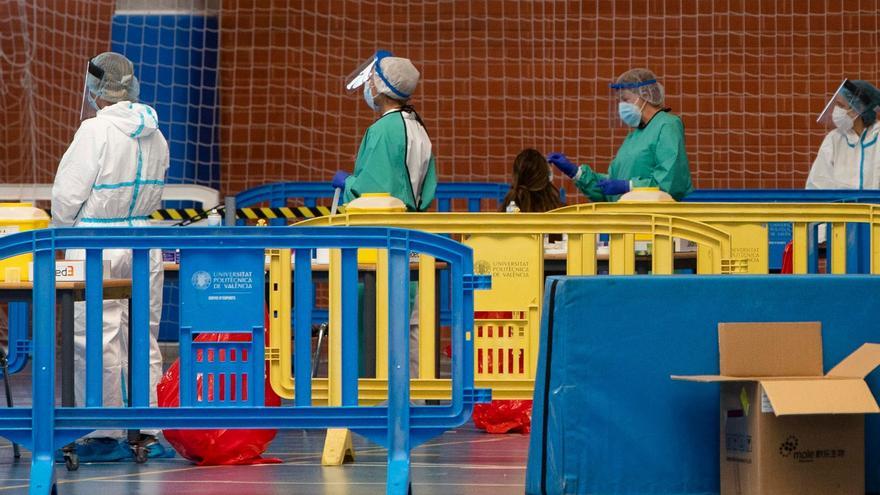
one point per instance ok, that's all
(175, 59)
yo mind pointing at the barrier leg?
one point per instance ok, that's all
(398, 481)
(337, 444)
(43, 412)
(337, 447)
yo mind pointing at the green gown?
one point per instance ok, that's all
(650, 157)
(381, 164)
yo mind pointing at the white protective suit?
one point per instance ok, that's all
(847, 161)
(112, 175)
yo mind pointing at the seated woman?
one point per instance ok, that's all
(531, 188)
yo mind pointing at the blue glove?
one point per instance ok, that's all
(613, 187)
(339, 179)
(562, 163)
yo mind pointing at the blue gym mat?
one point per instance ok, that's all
(607, 418)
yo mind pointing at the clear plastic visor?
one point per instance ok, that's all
(363, 72)
(849, 99)
(88, 109)
(360, 75)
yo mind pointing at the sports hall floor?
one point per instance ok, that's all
(463, 461)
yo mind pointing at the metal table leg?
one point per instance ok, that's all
(68, 394)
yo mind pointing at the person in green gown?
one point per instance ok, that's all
(395, 155)
(652, 155)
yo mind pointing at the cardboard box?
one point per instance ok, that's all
(70, 270)
(787, 428)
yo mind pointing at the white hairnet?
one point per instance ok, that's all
(118, 82)
(395, 78)
(642, 83)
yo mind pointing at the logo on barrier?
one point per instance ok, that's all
(201, 280)
(226, 289)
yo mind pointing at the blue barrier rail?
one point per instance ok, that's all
(783, 196)
(858, 237)
(397, 425)
(309, 193)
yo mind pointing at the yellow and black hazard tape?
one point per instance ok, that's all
(290, 213)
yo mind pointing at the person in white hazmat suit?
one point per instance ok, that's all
(112, 175)
(849, 157)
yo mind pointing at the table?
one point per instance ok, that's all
(67, 293)
(555, 263)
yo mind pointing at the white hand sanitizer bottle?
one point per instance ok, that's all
(213, 219)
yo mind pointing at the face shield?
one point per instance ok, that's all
(364, 71)
(629, 92)
(846, 105)
(89, 106)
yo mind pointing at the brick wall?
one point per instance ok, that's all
(747, 77)
(45, 44)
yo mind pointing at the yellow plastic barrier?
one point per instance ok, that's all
(746, 223)
(278, 351)
(510, 248)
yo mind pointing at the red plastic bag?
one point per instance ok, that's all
(504, 416)
(787, 265)
(216, 447)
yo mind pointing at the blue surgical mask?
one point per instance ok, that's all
(629, 114)
(368, 97)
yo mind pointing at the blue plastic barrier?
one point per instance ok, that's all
(278, 193)
(607, 417)
(473, 192)
(217, 303)
(858, 237)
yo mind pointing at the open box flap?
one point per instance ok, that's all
(859, 364)
(820, 396)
